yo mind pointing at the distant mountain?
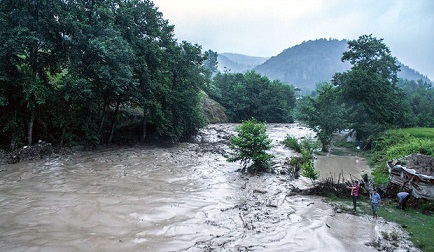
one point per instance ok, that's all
(303, 65)
(238, 63)
(307, 64)
(411, 74)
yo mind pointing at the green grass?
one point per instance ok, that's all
(380, 176)
(419, 226)
(396, 144)
(419, 132)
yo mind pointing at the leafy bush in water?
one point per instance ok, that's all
(309, 143)
(251, 145)
(307, 166)
(292, 142)
(306, 147)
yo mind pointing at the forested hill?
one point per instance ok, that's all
(238, 63)
(307, 64)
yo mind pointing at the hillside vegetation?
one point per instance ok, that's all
(304, 65)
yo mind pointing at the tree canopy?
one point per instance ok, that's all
(324, 113)
(368, 91)
(251, 95)
(71, 70)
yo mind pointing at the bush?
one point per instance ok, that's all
(292, 142)
(306, 147)
(307, 166)
(308, 143)
(251, 145)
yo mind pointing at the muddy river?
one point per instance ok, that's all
(183, 198)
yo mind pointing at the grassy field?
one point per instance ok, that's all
(419, 132)
(419, 226)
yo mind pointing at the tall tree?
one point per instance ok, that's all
(31, 39)
(369, 89)
(324, 113)
(419, 103)
(211, 62)
(71, 69)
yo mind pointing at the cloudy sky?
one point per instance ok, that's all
(267, 27)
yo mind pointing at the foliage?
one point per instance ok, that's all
(418, 99)
(306, 147)
(292, 142)
(422, 146)
(309, 143)
(69, 68)
(422, 133)
(250, 146)
(369, 89)
(324, 113)
(210, 61)
(251, 95)
(307, 165)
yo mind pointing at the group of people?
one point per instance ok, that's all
(376, 198)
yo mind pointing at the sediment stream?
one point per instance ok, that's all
(183, 198)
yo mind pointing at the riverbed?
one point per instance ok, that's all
(181, 198)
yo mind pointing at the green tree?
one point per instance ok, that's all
(369, 89)
(31, 42)
(324, 113)
(72, 70)
(250, 146)
(251, 95)
(211, 62)
(418, 99)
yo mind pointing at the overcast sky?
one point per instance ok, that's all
(267, 27)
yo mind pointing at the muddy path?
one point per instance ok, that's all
(183, 198)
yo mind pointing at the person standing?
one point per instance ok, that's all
(354, 193)
(403, 198)
(375, 200)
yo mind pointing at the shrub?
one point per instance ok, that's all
(307, 166)
(292, 142)
(251, 145)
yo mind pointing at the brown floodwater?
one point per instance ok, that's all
(182, 198)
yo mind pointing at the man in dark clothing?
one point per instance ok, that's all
(403, 198)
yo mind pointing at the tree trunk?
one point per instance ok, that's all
(31, 122)
(62, 138)
(13, 144)
(101, 125)
(145, 122)
(114, 123)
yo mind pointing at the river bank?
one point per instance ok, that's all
(180, 198)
